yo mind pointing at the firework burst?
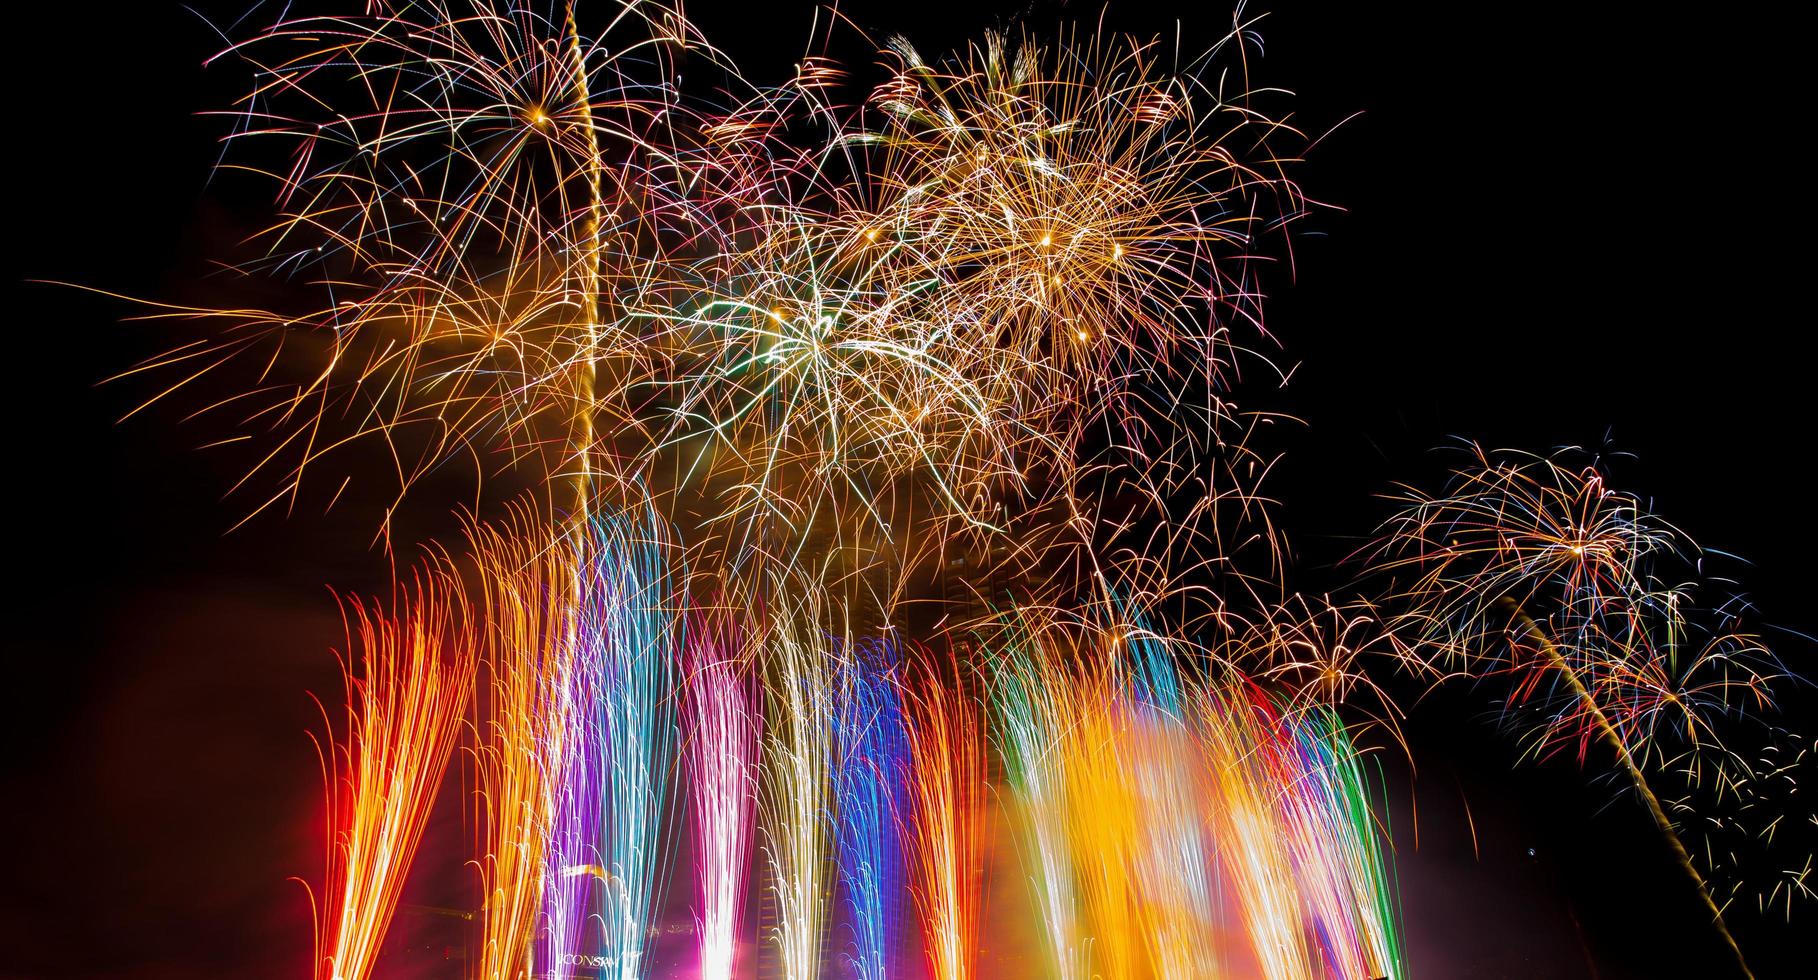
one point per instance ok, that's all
(1534, 572)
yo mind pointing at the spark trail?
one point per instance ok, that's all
(404, 715)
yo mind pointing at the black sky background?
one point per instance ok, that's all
(1558, 228)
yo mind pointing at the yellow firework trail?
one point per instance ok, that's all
(525, 581)
(797, 783)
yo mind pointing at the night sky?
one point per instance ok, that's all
(1547, 229)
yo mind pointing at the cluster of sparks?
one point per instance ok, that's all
(1591, 617)
(1151, 802)
(792, 378)
(404, 716)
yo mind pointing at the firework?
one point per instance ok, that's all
(725, 729)
(1321, 657)
(1245, 769)
(1077, 220)
(1067, 200)
(873, 759)
(1102, 827)
(1034, 710)
(468, 189)
(575, 750)
(404, 714)
(1534, 571)
(1338, 856)
(1171, 854)
(875, 345)
(628, 612)
(1154, 795)
(944, 816)
(527, 582)
(1541, 573)
(796, 783)
(970, 314)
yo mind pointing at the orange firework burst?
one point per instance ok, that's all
(1071, 200)
(470, 188)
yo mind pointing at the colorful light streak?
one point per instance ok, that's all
(869, 793)
(944, 815)
(628, 614)
(404, 715)
(796, 781)
(1034, 710)
(1185, 797)
(725, 729)
(1338, 848)
(526, 584)
(572, 862)
(981, 319)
